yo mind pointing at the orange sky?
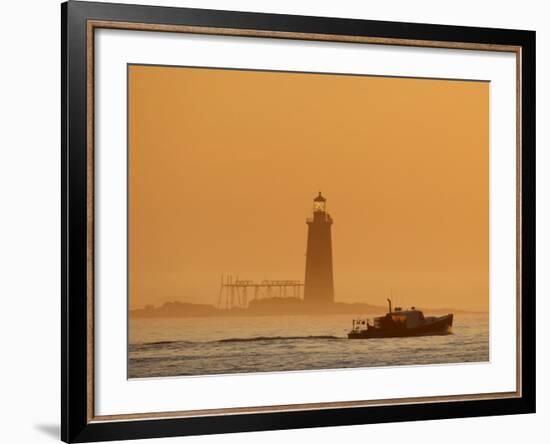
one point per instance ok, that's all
(224, 164)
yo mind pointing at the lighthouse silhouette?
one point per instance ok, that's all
(319, 286)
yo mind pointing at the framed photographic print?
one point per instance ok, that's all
(275, 221)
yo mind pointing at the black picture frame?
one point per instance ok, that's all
(76, 423)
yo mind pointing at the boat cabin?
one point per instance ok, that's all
(408, 318)
(397, 318)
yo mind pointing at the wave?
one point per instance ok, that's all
(277, 338)
(249, 339)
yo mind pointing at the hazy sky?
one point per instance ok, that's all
(223, 167)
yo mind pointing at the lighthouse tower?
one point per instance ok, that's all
(319, 286)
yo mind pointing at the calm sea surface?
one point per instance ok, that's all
(202, 346)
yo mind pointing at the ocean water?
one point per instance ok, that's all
(209, 345)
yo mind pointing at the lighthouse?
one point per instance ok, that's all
(319, 286)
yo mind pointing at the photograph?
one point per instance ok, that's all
(294, 221)
(277, 221)
(285, 221)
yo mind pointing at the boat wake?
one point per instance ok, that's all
(249, 339)
(278, 338)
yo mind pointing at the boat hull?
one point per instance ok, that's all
(440, 326)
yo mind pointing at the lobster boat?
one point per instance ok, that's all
(400, 323)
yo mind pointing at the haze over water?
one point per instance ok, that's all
(203, 346)
(224, 164)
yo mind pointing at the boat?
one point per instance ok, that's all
(400, 323)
